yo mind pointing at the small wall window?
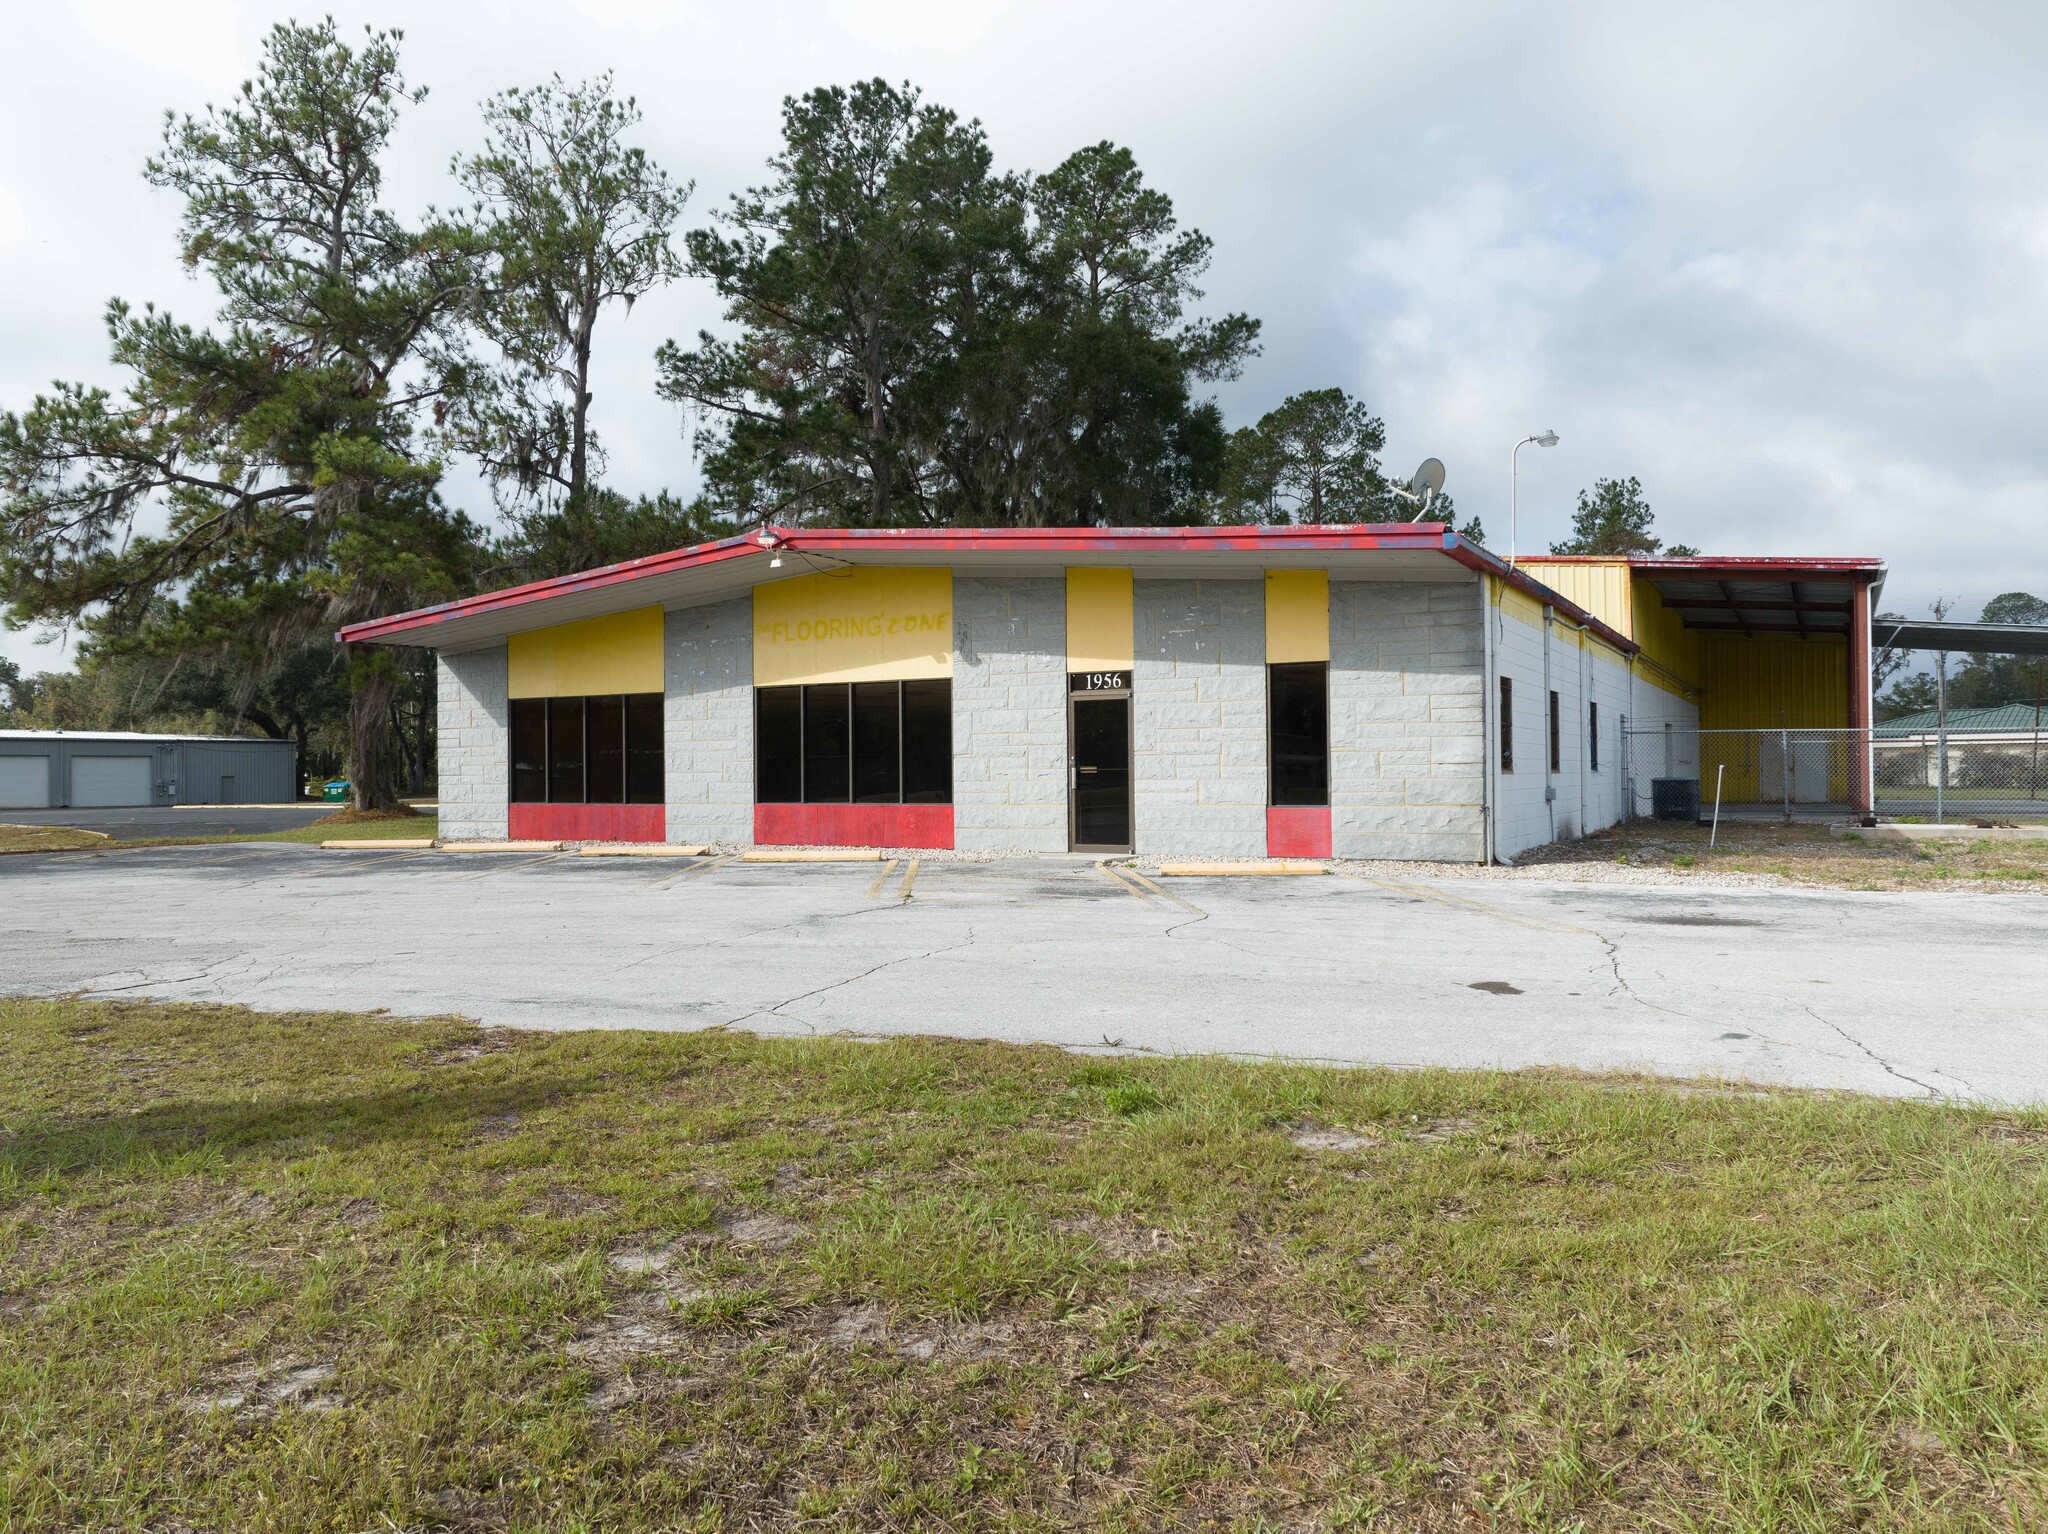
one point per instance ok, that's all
(1298, 732)
(602, 750)
(1507, 724)
(1556, 737)
(857, 742)
(1593, 736)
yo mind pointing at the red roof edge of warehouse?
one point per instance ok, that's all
(1418, 536)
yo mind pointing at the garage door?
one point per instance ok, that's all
(24, 782)
(100, 781)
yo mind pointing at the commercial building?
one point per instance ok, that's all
(92, 769)
(1385, 691)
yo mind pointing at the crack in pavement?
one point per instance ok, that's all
(1885, 1065)
(908, 958)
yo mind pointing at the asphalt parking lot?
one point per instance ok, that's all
(149, 823)
(1907, 994)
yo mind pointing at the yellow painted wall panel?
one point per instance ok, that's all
(1101, 633)
(860, 624)
(620, 652)
(1297, 616)
(1514, 603)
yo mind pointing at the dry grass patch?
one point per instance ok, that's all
(15, 838)
(1810, 855)
(343, 1272)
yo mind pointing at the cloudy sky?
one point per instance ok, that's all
(1787, 264)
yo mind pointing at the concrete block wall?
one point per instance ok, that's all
(708, 718)
(1198, 717)
(1522, 818)
(1407, 720)
(473, 722)
(1010, 713)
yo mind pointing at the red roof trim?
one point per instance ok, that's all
(1701, 564)
(1420, 537)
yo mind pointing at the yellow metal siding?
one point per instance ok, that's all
(620, 652)
(861, 624)
(1100, 625)
(1602, 590)
(1772, 682)
(1667, 643)
(1297, 616)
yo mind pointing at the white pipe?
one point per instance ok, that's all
(1489, 715)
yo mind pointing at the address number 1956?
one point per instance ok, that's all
(1098, 681)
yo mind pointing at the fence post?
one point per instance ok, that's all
(1785, 768)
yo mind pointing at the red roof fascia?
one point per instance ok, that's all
(1430, 537)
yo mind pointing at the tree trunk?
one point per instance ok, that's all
(299, 752)
(373, 682)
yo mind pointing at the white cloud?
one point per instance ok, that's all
(1787, 265)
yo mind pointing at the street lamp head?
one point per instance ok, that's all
(1548, 439)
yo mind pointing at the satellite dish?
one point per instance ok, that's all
(1428, 480)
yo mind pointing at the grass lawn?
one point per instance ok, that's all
(341, 1272)
(1810, 855)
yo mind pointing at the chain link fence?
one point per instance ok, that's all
(1676, 772)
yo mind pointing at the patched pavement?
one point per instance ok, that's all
(1933, 995)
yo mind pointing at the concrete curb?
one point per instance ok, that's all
(812, 855)
(501, 846)
(643, 850)
(1942, 833)
(1281, 868)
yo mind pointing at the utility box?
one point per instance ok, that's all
(1675, 799)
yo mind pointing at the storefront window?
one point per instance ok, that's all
(859, 743)
(603, 750)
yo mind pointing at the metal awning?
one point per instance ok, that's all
(1747, 604)
(1941, 634)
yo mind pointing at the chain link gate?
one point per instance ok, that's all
(1675, 772)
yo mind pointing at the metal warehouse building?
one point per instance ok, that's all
(1387, 691)
(82, 769)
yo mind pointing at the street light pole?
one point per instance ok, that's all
(1541, 439)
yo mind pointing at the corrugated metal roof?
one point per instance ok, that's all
(2007, 719)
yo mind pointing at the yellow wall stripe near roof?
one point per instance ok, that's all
(860, 624)
(1297, 616)
(619, 652)
(1101, 632)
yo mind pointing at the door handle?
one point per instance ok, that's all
(1087, 769)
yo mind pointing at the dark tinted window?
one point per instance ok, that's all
(1556, 739)
(928, 742)
(565, 750)
(643, 749)
(779, 745)
(1593, 735)
(865, 743)
(877, 743)
(1507, 725)
(604, 726)
(825, 744)
(1299, 720)
(529, 750)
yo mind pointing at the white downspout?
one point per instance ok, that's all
(1543, 713)
(1489, 689)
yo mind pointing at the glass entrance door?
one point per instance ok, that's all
(1101, 789)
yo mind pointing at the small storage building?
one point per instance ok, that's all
(95, 769)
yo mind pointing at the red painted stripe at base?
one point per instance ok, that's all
(587, 822)
(1298, 832)
(853, 825)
